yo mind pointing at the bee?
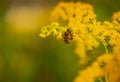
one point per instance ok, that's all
(67, 36)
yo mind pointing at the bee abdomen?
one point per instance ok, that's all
(67, 36)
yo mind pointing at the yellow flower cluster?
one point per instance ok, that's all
(90, 73)
(54, 28)
(77, 22)
(80, 18)
(72, 12)
(111, 67)
(105, 66)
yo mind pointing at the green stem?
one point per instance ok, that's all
(106, 77)
(100, 80)
(105, 46)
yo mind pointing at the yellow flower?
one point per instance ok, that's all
(116, 16)
(90, 73)
(88, 34)
(54, 28)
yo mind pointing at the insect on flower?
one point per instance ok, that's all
(67, 36)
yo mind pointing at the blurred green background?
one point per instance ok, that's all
(24, 56)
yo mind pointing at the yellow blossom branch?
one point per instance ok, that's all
(81, 26)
